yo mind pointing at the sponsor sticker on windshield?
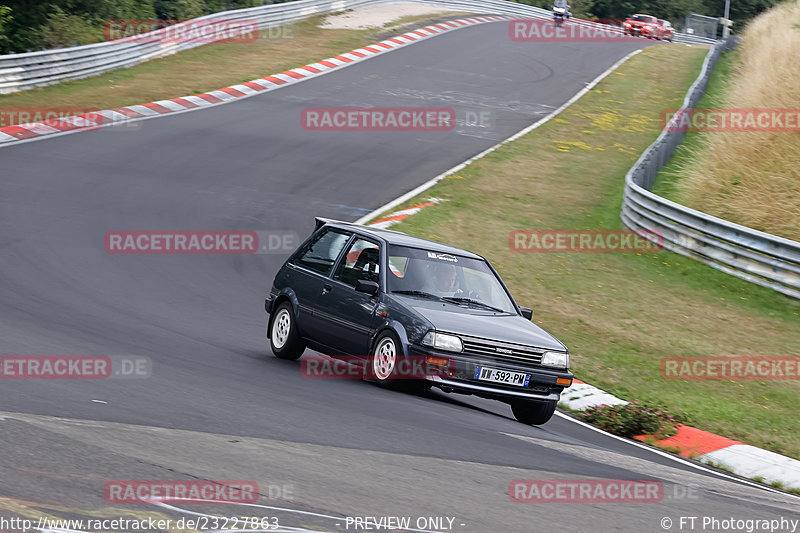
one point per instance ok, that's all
(443, 257)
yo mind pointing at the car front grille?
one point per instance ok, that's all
(519, 354)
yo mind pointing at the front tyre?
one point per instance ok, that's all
(385, 359)
(283, 337)
(531, 412)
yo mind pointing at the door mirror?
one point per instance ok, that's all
(526, 312)
(369, 287)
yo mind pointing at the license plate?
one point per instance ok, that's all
(506, 377)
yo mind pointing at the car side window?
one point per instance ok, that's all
(320, 254)
(361, 262)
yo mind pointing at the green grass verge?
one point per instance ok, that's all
(666, 184)
(209, 67)
(620, 314)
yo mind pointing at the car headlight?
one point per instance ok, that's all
(442, 341)
(555, 359)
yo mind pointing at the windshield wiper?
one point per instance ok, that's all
(419, 293)
(471, 301)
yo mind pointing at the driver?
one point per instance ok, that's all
(442, 280)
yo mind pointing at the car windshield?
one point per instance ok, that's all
(454, 278)
(643, 18)
(560, 3)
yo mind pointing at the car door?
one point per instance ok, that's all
(350, 314)
(310, 273)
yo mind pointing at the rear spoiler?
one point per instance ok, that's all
(319, 222)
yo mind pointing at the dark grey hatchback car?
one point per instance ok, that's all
(390, 300)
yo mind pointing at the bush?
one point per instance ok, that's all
(634, 419)
(64, 29)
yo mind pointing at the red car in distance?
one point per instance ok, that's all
(642, 25)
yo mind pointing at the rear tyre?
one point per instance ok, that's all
(283, 337)
(535, 413)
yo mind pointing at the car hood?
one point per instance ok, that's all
(474, 322)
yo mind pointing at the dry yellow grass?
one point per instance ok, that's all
(753, 178)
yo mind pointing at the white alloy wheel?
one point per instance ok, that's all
(281, 327)
(385, 358)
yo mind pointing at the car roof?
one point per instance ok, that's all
(396, 237)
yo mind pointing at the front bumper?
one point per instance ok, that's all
(460, 377)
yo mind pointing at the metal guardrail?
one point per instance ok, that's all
(34, 69)
(755, 256)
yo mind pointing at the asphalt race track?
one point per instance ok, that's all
(218, 405)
